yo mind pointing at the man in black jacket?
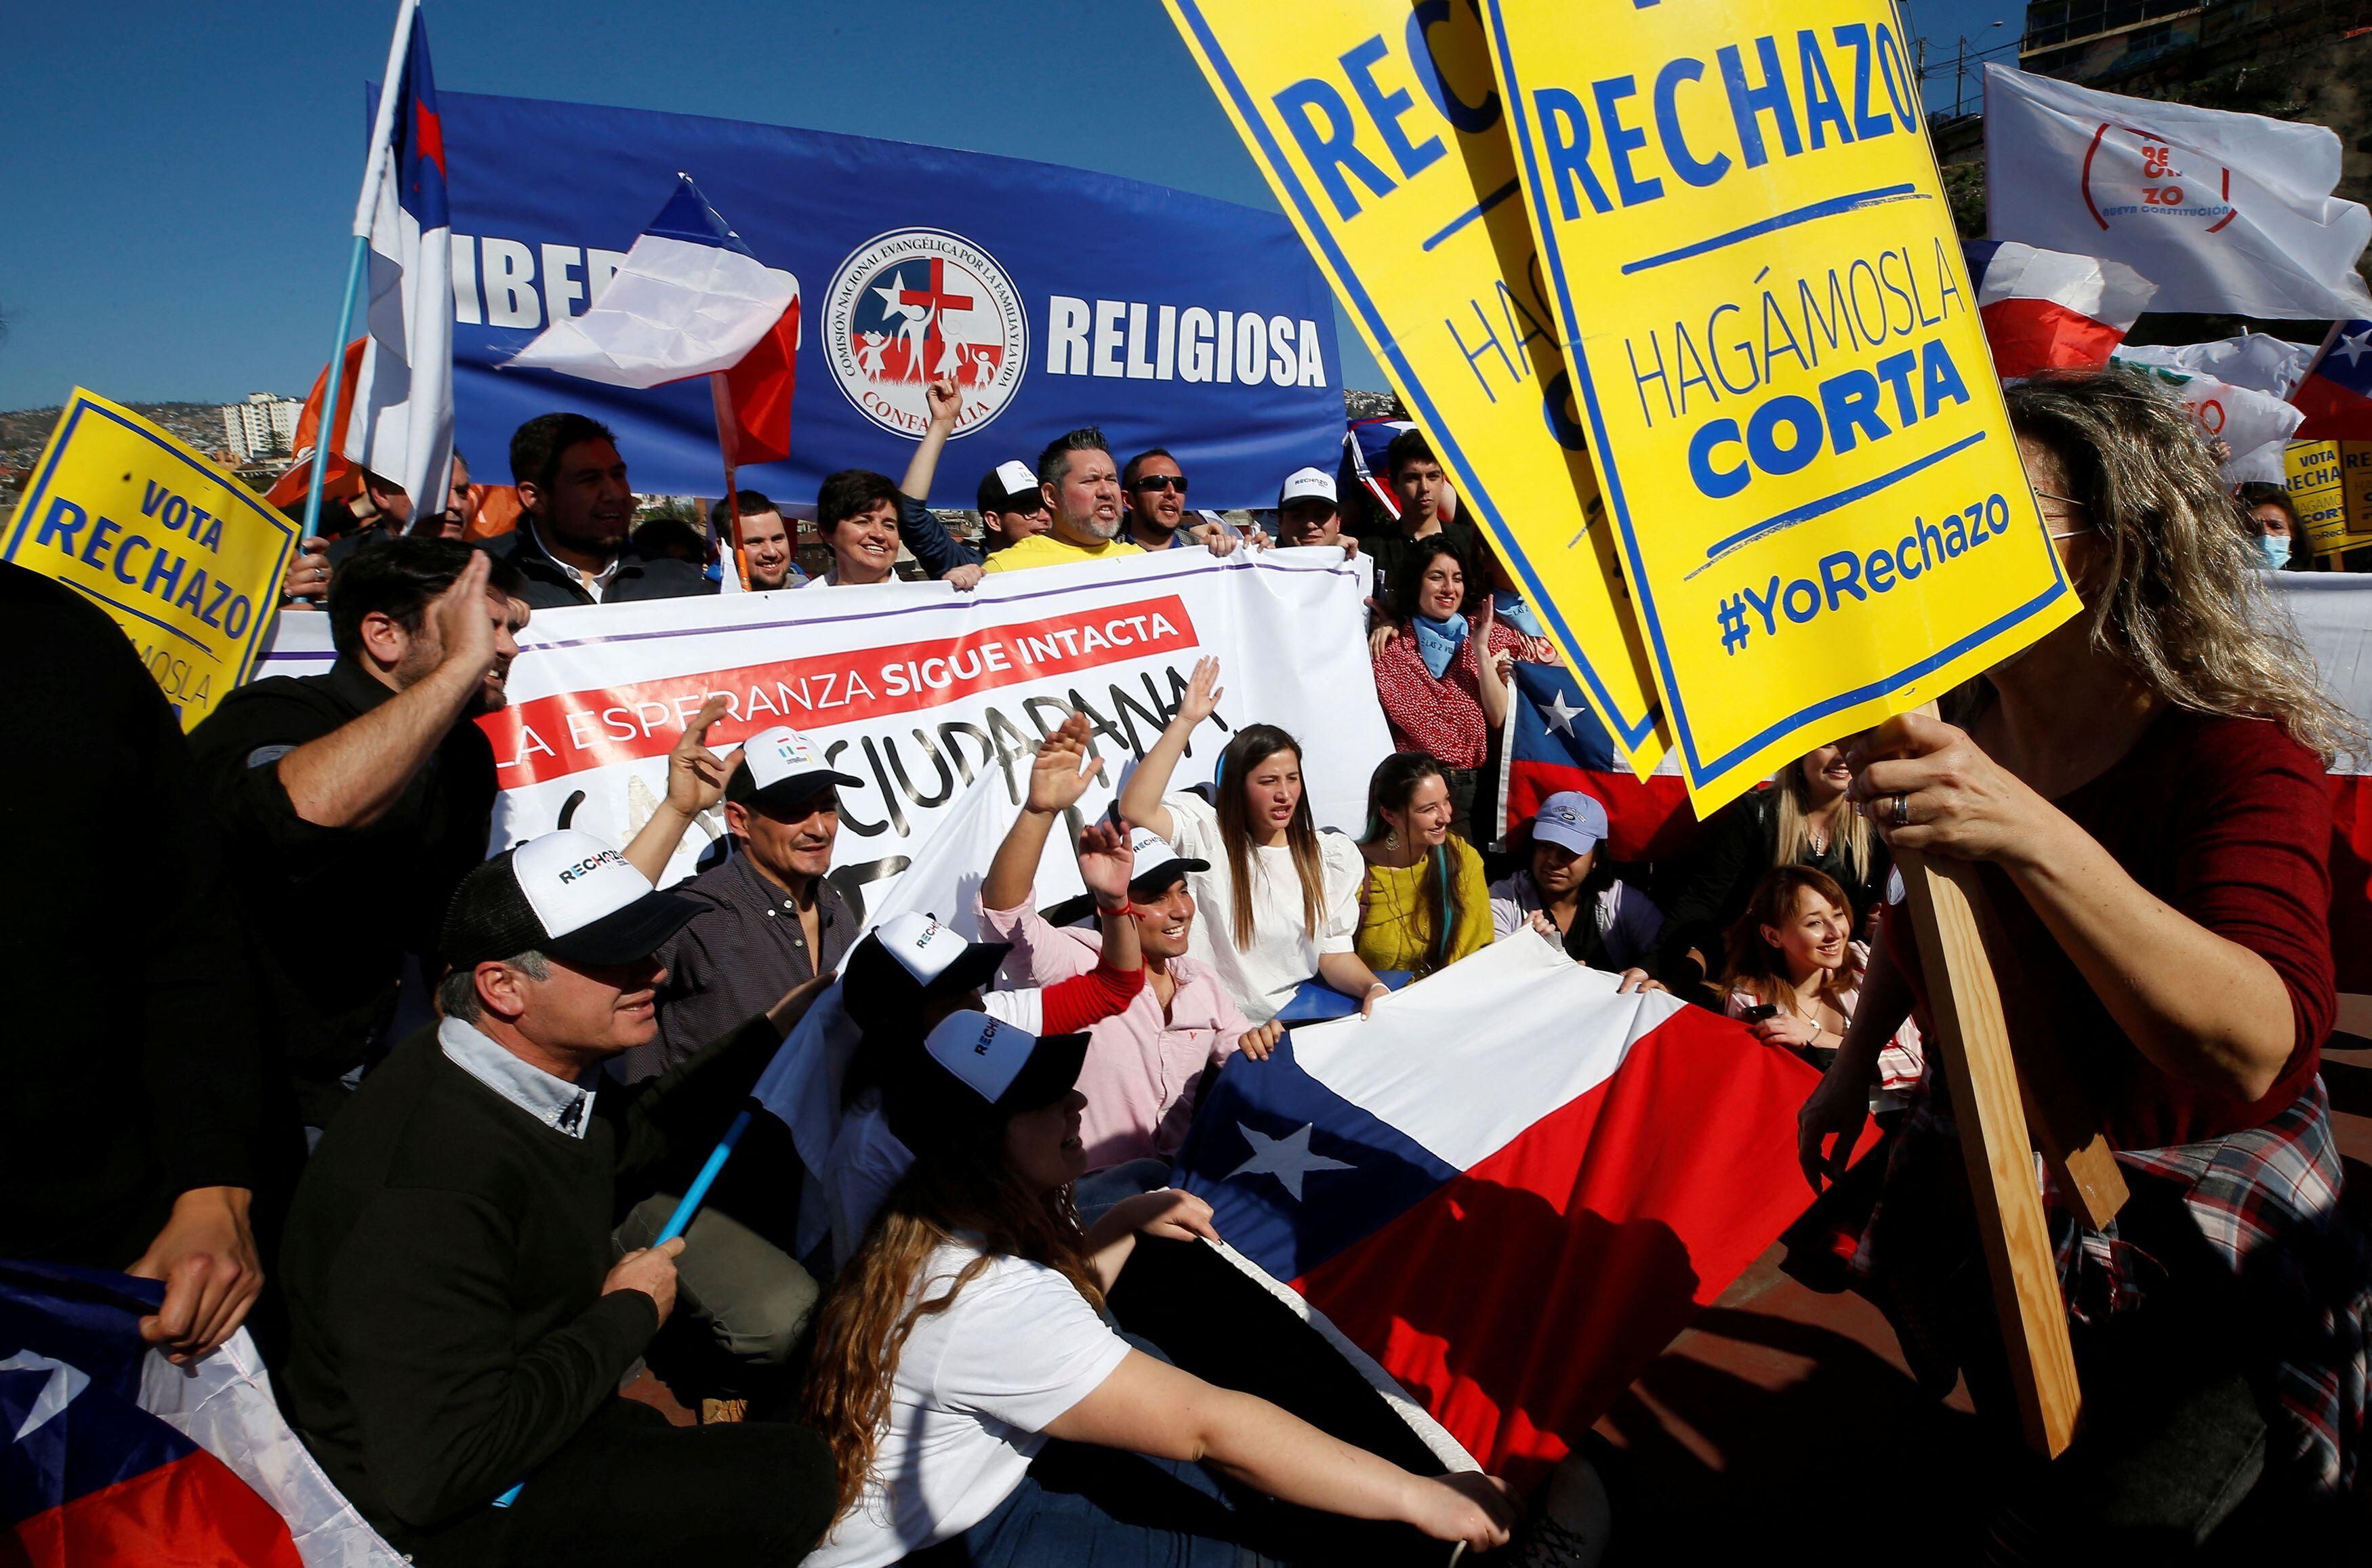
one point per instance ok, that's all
(571, 545)
(354, 802)
(459, 1326)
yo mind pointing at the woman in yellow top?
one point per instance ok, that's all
(1424, 904)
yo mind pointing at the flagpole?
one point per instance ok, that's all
(720, 397)
(365, 208)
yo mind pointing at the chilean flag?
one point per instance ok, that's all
(1510, 1187)
(1554, 743)
(110, 1454)
(1365, 442)
(400, 420)
(2049, 310)
(2336, 391)
(691, 299)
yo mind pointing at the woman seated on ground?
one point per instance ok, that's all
(1794, 972)
(1281, 900)
(965, 1345)
(1442, 675)
(1802, 820)
(2142, 794)
(1424, 904)
(1568, 893)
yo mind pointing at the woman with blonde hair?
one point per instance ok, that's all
(2142, 792)
(962, 1356)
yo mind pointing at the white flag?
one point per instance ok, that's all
(2227, 212)
(2259, 363)
(2255, 425)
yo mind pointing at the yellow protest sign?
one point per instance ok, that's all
(185, 558)
(1780, 368)
(2313, 471)
(1377, 127)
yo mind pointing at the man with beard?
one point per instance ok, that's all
(1081, 485)
(571, 545)
(354, 802)
(767, 547)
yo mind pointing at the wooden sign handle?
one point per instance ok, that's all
(1987, 1101)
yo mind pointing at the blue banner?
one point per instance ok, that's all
(1058, 298)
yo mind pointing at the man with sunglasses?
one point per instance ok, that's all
(769, 920)
(1153, 487)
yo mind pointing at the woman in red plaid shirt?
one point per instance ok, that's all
(1441, 674)
(2142, 795)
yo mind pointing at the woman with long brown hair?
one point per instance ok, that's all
(1793, 971)
(1426, 903)
(965, 1337)
(1281, 900)
(2142, 792)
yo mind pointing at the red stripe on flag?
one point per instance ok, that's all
(2333, 413)
(194, 1513)
(2027, 335)
(1646, 819)
(761, 386)
(1520, 1300)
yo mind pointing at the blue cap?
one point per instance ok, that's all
(1572, 820)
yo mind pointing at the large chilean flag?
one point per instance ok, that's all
(87, 1474)
(1510, 1186)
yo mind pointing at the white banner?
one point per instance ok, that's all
(2224, 211)
(916, 689)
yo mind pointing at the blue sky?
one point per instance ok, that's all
(178, 179)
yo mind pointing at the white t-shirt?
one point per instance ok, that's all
(976, 1389)
(1264, 977)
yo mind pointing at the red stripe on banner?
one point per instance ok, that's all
(2350, 881)
(1519, 1301)
(2027, 335)
(194, 1513)
(551, 737)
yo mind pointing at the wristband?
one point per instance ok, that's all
(1124, 908)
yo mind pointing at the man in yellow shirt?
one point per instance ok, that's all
(1081, 485)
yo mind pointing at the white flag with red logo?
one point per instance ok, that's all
(2227, 212)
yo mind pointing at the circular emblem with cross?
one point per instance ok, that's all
(913, 306)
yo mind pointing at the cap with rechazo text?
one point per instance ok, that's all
(974, 1067)
(1157, 863)
(568, 895)
(1010, 487)
(909, 959)
(1306, 484)
(779, 766)
(1571, 820)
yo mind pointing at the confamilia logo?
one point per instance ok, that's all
(914, 304)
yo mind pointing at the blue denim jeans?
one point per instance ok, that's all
(1085, 1507)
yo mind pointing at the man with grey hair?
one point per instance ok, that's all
(1081, 485)
(460, 1320)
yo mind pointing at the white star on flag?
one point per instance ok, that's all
(2356, 347)
(1561, 717)
(1288, 1158)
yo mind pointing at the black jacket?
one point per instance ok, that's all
(639, 576)
(332, 912)
(129, 1051)
(443, 1267)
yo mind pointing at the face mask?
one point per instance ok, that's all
(2276, 549)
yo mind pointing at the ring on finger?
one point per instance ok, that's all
(1902, 811)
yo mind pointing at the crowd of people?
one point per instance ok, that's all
(421, 1117)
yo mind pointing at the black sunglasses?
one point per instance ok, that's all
(1176, 482)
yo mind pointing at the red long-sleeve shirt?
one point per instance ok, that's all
(2228, 821)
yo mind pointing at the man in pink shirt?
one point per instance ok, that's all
(1144, 1063)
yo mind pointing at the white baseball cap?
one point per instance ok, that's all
(781, 765)
(1306, 484)
(568, 894)
(1157, 863)
(911, 958)
(985, 1064)
(1011, 487)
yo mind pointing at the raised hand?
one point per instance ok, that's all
(465, 627)
(1202, 692)
(1064, 767)
(695, 774)
(945, 401)
(1106, 864)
